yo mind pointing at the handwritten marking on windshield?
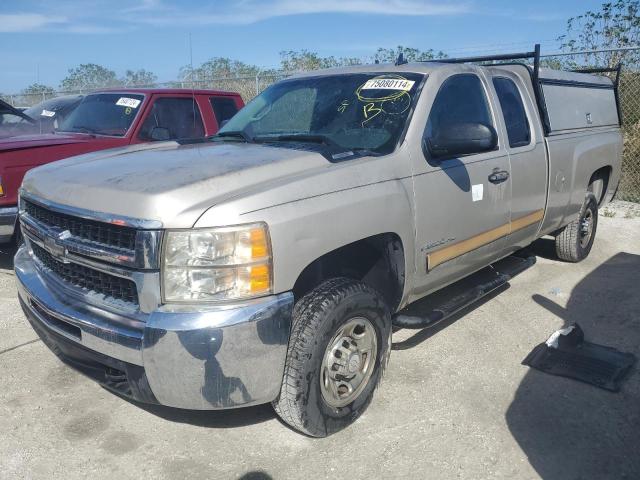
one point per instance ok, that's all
(395, 103)
(343, 106)
(370, 112)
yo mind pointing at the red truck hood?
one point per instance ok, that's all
(43, 140)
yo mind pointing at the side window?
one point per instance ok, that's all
(223, 108)
(515, 116)
(460, 100)
(171, 119)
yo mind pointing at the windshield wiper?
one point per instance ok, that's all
(239, 134)
(85, 129)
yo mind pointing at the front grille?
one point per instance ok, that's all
(88, 278)
(99, 232)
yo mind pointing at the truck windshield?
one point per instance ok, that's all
(104, 114)
(359, 111)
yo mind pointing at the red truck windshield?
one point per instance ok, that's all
(104, 114)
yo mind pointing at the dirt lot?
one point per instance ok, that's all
(455, 402)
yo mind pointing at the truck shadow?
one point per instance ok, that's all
(7, 253)
(232, 418)
(570, 430)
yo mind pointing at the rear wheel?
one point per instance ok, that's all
(338, 349)
(575, 240)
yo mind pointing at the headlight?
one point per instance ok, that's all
(216, 264)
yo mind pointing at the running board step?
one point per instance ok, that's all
(446, 302)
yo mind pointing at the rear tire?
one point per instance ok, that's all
(339, 347)
(575, 240)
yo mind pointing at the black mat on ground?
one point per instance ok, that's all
(567, 354)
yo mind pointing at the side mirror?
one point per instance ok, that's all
(160, 134)
(461, 139)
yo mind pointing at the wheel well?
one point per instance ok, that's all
(377, 261)
(601, 174)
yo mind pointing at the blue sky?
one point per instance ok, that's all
(42, 39)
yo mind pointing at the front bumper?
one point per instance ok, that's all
(200, 358)
(8, 217)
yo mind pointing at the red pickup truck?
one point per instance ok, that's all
(108, 119)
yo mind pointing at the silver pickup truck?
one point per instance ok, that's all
(271, 262)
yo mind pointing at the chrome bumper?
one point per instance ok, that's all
(198, 358)
(8, 216)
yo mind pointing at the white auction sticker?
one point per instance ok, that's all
(128, 102)
(48, 113)
(388, 84)
(477, 192)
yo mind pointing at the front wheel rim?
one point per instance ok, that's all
(348, 362)
(586, 228)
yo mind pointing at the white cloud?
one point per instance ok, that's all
(109, 16)
(252, 11)
(25, 22)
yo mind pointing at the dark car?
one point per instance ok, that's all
(44, 117)
(50, 114)
(13, 120)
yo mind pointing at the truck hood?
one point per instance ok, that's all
(7, 108)
(42, 140)
(166, 182)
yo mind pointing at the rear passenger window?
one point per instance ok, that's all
(515, 116)
(461, 99)
(223, 108)
(172, 119)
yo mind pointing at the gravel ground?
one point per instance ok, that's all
(455, 402)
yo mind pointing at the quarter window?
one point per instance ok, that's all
(515, 115)
(461, 100)
(171, 119)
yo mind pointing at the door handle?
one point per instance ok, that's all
(499, 177)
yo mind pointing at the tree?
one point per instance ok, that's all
(218, 67)
(390, 55)
(140, 78)
(616, 25)
(89, 76)
(35, 93)
(39, 89)
(303, 60)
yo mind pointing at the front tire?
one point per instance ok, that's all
(339, 347)
(574, 242)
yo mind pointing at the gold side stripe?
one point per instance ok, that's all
(457, 249)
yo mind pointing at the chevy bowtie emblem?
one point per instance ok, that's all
(58, 251)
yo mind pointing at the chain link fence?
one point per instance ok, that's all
(630, 103)
(248, 86)
(629, 90)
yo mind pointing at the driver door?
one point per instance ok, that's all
(462, 207)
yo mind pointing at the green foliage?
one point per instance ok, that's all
(615, 25)
(141, 78)
(39, 89)
(389, 55)
(218, 67)
(302, 60)
(89, 76)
